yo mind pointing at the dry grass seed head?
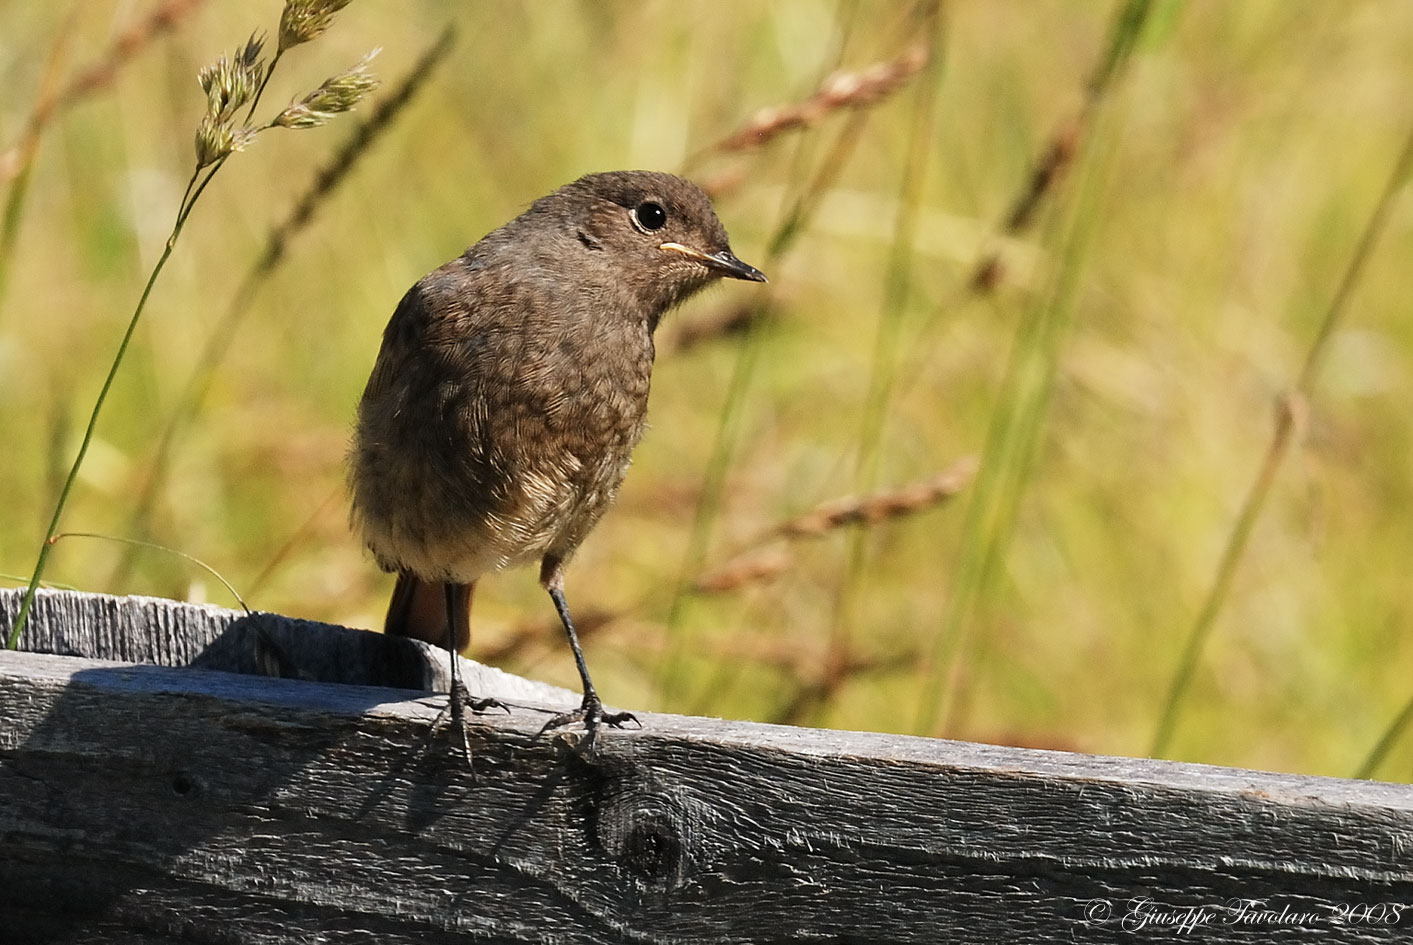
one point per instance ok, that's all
(879, 506)
(840, 90)
(231, 81)
(769, 558)
(752, 567)
(303, 20)
(215, 140)
(337, 94)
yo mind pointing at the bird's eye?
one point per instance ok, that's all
(648, 216)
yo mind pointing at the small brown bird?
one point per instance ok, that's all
(510, 390)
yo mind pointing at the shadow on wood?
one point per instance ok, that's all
(145, 798)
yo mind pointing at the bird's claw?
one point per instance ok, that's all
(591, 713)
(458, 701)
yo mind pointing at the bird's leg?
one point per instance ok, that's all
(590, 711)
(459, 697)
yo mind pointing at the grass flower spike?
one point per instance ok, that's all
(229, 83)
(232, 84)
(303, 20)
(335, 95)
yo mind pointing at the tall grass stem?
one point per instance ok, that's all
(13, 640)
(1289, 408)
(883, 364)
(300, 215)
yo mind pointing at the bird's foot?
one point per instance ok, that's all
(458, 701)
(460, 694)
(591, 713)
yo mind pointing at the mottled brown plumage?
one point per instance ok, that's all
(512, 386)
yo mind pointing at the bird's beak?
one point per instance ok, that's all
(723, 262)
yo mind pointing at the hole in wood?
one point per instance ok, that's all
(652, 849)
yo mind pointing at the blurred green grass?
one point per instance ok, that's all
(1238, 160)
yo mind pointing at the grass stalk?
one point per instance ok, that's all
(793, 219)
(1016, 431)
(18, 162)
(731, 417)
(13, 640)
(1012, 441)
(162, 19)
(765, 558)
(1386, 742)
(228, 84)
(95, 78)
(792, 225)
(230, 588)
(198, 385)
(1289, 408)
(883, 365)
(1056, 157)
(297, 537)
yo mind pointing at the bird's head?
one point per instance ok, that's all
(655, 233)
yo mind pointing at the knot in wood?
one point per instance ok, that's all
(647, 834)
(652, 849)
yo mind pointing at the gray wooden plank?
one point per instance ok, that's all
(162, 632)
(156, 804)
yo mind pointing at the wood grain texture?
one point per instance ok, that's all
(161, 632)
(143, 803)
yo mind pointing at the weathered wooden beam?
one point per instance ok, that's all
(144, 803)
(160, 632)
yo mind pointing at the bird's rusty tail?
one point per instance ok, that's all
(418, 609)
